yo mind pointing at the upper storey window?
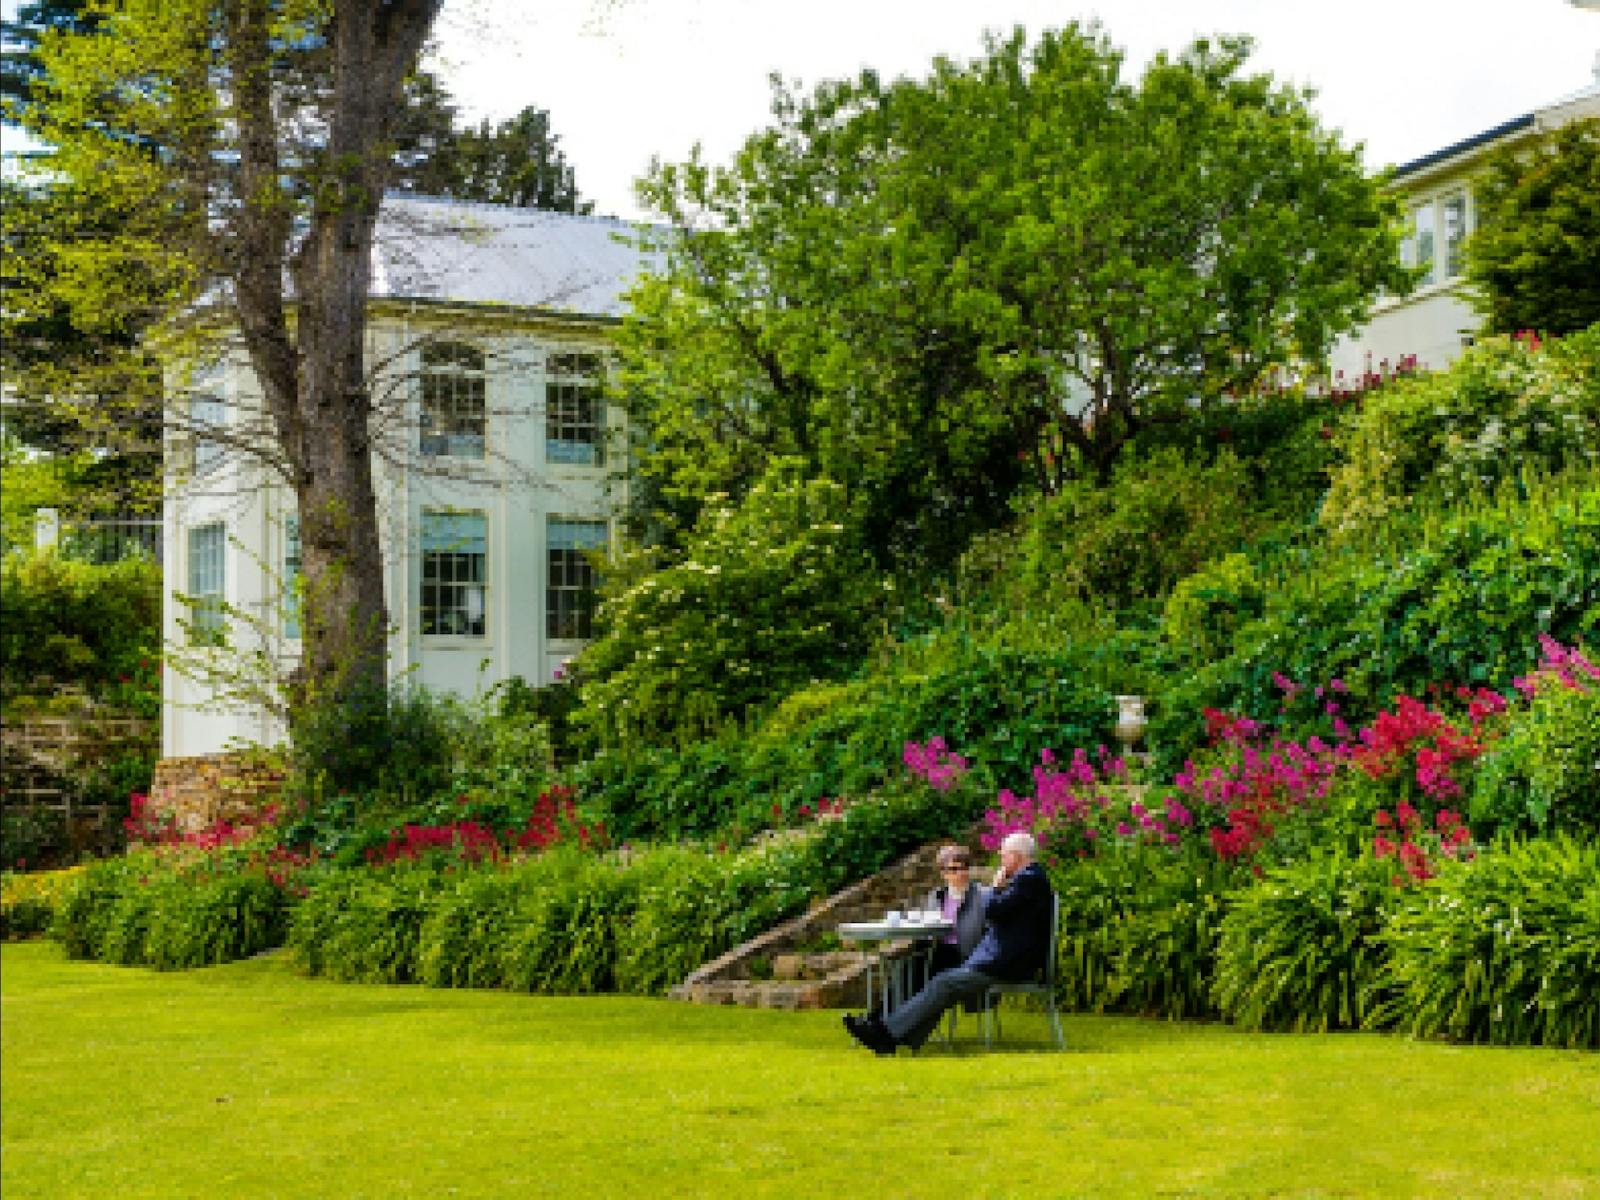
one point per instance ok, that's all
(454, 415)
(574, 420)
(1437, 239)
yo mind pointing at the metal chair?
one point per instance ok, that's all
(1044, 986)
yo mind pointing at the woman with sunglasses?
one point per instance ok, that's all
(961, 901)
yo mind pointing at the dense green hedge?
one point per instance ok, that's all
(138, 911)
(1544, 775)
(1503, 949)
(1445, 595)
(997, 707)
(564, 922)
(74, 623)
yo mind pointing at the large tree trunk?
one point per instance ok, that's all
(313, 373)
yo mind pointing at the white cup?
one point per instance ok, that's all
(892, 919)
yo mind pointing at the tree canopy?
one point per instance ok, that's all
(936, 291)
(1534, 260)
(518, 162)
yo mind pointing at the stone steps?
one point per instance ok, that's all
(784, 968)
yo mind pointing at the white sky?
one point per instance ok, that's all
(627, 79)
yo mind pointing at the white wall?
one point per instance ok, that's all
(516, 495)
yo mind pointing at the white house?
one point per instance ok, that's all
(1436, 321)
(488, 336)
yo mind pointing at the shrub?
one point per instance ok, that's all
(84, 625)
(1139, 927)
(1206, 608)
(1505, 407)
(1544, 775)
(565, 933)
(364, 926)
(768, 596)
(1504, 949)
(201, 922)
(1161, 517)
(1299, 948)
(399, 745)
(83, 917)
(996, 706)
(32, 835)
(28, 902)
(172, 911)
(1447, 594)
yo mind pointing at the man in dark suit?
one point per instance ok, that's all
(1012, 950)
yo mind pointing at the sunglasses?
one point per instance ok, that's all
(957, 867)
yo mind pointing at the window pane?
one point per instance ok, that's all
(1455, 234)
(291, 576)
(570, 577)
(1422, 241)
(454, 573)
(574, 410)
(206, 566)
(454, 416)
(207, 412)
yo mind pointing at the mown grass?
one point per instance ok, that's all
(246, 1080)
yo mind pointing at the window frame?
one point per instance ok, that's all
(206, 454)
(293, 560)
(1438, 227)
(453, 394)
(207, 605)
(473, 581)
(568, 601)
(572, 380)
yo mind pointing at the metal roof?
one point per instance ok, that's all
(452, 251)
(1461, 147)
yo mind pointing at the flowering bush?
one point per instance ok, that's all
(767, 594)
(934, 763)
(1506, 406)
(1544, 775)
(1407, 839)
(552, 821)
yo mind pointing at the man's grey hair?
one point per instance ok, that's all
(1020, 843)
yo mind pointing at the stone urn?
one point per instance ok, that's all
(1130, 722)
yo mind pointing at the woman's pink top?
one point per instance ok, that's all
(952, 905)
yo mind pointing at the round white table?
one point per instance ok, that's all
(894, 970)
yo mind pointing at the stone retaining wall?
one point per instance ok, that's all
(200, 791)
(727, 978)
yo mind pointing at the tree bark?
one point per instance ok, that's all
(313, 370)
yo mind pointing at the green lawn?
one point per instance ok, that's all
(247, 1080)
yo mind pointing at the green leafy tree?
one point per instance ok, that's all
(226, 160)
(20, 67)
(1534, 260)
(937, 290)
(771, 595)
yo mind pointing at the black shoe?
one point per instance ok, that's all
(878, 1036)
(870, 1032)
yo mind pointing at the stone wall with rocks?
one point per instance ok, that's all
(773, 970)
(200, 791)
